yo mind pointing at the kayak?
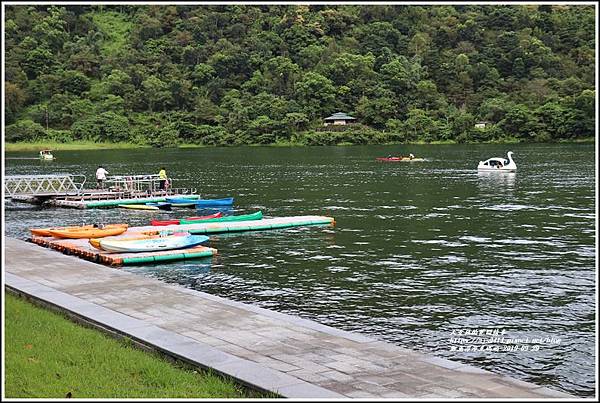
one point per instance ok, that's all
(138, 207)
(399, 159)
(180, 202)
(168, 242)
(160, 205)
(243, 217)
(46, 231)
(95, 242)
(228, 201)
(176, 222)
(79, 232)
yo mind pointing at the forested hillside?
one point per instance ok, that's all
(241, 74)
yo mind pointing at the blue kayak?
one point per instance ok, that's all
(181, 202)
(228, 201)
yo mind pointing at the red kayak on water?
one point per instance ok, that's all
(176, 222)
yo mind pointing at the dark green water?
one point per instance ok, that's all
(418, 250)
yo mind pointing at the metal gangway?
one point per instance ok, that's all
(43, 185)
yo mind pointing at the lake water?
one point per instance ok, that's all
(420, 250)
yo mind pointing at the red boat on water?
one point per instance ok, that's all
(399, 159)
(176, 222)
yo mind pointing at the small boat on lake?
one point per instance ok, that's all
(86, 232)
(169, 242)
(498, 164)
(227, 201)
(242, 217)
(46, 155)
(177, 222)
(410, 158)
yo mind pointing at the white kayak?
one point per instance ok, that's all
(153, 244)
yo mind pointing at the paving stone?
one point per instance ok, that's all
(361, 393)
(305, 375)
(256, 374)
(308, 391)
(342, 367)
(338, 376)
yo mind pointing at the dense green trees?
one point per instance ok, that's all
(240, 74)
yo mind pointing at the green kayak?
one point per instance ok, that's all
(243, 217)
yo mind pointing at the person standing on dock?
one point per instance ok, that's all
(162, 179)
(100, 177)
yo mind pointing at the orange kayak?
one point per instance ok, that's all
(79, 232)
(46, 231)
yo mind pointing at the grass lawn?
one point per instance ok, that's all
(74, 145)
(48, 356)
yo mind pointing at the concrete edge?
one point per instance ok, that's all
(174, 346)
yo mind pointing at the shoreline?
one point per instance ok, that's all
(88, 145)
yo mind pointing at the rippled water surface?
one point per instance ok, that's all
(419, 250)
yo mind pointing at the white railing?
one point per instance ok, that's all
(43, 185)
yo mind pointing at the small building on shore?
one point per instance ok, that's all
(339, 118)
(484, 124)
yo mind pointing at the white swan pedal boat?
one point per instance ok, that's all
(498, 164)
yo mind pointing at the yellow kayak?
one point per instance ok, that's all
(79, 232)
(46, 231)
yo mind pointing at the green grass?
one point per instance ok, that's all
(73, 145)
(116, 31)
(48, 356)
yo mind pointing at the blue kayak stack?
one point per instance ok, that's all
(200, 203)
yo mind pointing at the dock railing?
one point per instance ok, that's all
(133, 187)
(43, 185)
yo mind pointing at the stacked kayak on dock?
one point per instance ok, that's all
(242, 217)
(84, 231)
(199, 203)
(152, 244)
(147, 206)
(177, 221)
(228, 201)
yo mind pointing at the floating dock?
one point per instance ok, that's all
(92, 201)
(238, 226)
(83, 249)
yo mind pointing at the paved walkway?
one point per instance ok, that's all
(293, 357)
